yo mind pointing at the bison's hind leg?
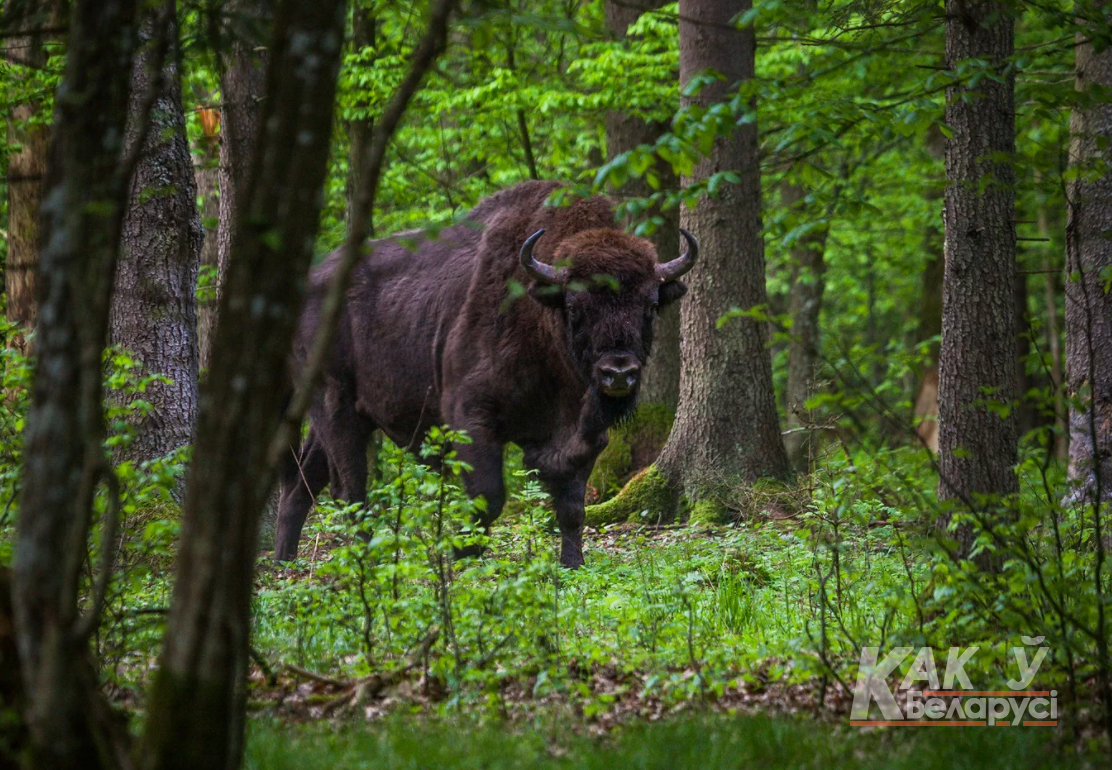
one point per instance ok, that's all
(304, 474)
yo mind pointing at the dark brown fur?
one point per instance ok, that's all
(427, 337)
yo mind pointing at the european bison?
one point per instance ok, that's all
(431, 336)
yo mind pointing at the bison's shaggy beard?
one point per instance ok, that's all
(612, 410)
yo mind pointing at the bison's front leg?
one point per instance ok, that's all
(484, 455)
(567, 498)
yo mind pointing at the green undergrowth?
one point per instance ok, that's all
(715, 742)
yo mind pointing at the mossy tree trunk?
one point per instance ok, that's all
(726, 427)
(154, 311)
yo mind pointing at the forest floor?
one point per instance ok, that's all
(627, 706)
(675, 646)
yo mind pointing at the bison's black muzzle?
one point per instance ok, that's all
(618, 375)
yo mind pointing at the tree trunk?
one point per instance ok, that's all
(26, 172)
(726, 427)
(198, 699)
(63, 457)
(930, 304)
(1088, 301)
(242, 86)
(154, 314)
(359, 129)
(660, 383)
(1060, 442)
(206, 172)
(804, 308)
(977, 362)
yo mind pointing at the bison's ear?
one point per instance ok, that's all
(670, 292)
(548, 295)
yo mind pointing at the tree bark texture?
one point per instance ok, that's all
(154, 312)
(242, 86)
(977, 361)
(63, 457)
(804, 308)
(726, 426)
(197, 702)
(1088, 263)
(660, 382)
(207, 175)
(26, 170)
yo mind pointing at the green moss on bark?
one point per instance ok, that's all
(648, 492)
(707, 512)
(634, 444)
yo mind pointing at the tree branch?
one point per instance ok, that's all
(424, 56)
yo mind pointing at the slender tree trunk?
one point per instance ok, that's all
(206, 172)
(1088, 262)
(660, 383)
(242, 85)
(726, 426)
(359, 129)
(64, 462)
(197, 702)
(154, 314)
(1026, 415)
(930, 304)
(804, 308)
(26, 170)
(977, 363)
(1061, 440)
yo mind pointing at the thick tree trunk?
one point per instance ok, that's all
(63, 456)
(726, 427)
(1088, 301)
(206, 172)
(977, 363)
(26, 172)
(660, 383)
(154, 314)
(197, 702)
(804, 308)
(242, 86)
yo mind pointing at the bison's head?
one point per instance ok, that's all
(608, 287)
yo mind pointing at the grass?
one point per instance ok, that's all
(709, 742)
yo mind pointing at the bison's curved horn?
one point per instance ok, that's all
(539, 270)
(670, 271)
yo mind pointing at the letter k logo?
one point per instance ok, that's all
(872, 683)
